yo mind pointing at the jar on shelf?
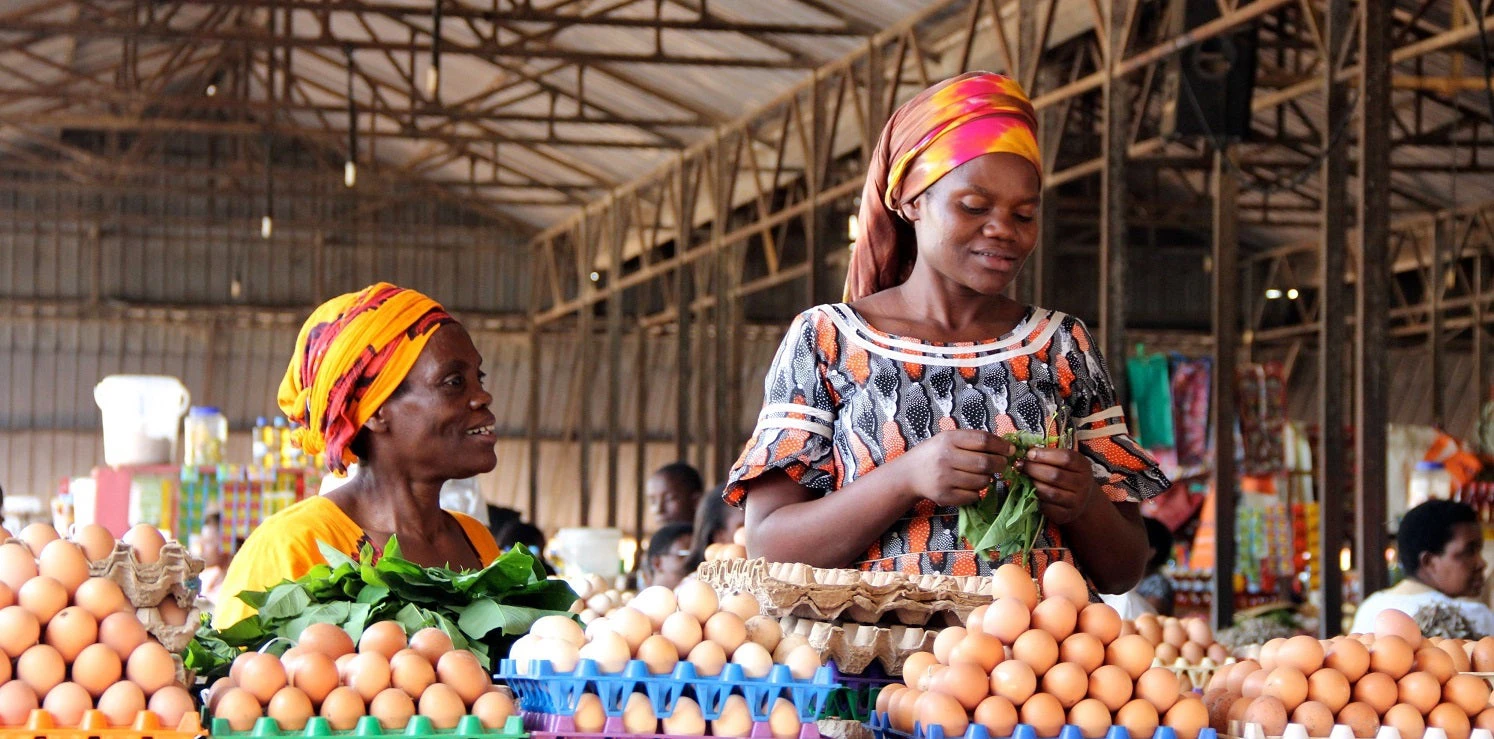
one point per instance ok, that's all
(206, 431)
(1429, 480)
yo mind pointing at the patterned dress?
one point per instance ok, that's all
(842, 398)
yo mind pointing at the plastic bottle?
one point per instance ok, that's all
(257, 442)
(206, 430)
(278, 441)
(269, 437)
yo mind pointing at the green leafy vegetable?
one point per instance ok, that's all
(483, 611)
(1008, 524)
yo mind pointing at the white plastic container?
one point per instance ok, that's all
(142, 416)
(1429, 480)
(589, 551)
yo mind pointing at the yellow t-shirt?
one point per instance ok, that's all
(284, 547)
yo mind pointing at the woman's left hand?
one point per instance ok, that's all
(1065, 482)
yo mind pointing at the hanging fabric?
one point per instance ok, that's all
(1190, 411)
(1151, 399)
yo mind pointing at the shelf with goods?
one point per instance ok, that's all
(175, 499)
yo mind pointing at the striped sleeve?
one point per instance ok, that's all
(1125, 471)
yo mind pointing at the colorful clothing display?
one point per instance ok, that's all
(1190, 410)
(842, 398)
(1151, 400)
(1261, 393)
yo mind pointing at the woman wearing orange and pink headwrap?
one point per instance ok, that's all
(384, 377)
(883, 415)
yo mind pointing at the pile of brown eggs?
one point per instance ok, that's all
(70, 642)
(1392, 677)
(1042, 662)
(384, 676)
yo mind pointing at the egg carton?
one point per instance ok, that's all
(146, 585)
(541, 689)
(854, 647)
(555, 726)
(789, 588)
(834, 728)
(881, 727)
(419, 727)
(171, 636)
(147, 725)
(1339, 731)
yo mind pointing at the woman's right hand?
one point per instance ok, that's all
(953, 467)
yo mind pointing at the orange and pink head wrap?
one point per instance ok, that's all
(953, 122)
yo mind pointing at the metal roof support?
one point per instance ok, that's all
(1331, 454)
(1371, 301)
(1226, 319)
(1116, 102)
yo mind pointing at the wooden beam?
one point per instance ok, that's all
(1226, 321)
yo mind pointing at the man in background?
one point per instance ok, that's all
(673, 492)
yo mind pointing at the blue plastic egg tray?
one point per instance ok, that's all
(550, 726)
(541, 689)
(881, 728)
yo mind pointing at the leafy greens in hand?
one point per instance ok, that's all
(1008, 524)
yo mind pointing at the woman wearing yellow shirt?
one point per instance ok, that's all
(384, 377)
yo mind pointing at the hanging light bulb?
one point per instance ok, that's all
(211, 90)
(433, 72)
(350, 168)
(350, 173)
(236, 287)
(432, 80)
(266, 226)
(1345, 559)
(267, 222)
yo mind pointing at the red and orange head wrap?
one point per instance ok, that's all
(953, 122)
(352, 354)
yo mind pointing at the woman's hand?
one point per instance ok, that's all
(1065, 483)
(953, 467)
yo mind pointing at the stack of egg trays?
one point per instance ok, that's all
(856, 699)
(551, 726)
(543, 690)
(881, 727)
(419, 727)
(41, 725)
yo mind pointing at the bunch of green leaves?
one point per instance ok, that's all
(483, 611)
(1007, 519)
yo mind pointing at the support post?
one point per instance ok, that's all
(684, 294)
(1113, 252)
(640, 436)
(1370, 300)
(584, 368)
(1442, 229)
(535, 380)
(1332, 329)
(1029, 61)
(1226, 344)
(614, 357)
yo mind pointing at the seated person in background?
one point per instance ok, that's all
(1441, 550)
(673, 492)
(668, 554)
(716, 522)
(1154, 593)
(520, 532)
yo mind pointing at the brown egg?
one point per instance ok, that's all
(392, 707)
(96, 668)
(493, 709)
(1066, 682)
(1174, 635)
(19, 630)
(342, 708)
(146, 542)
(1361, 719)
(172, 613)
(43, 596)
(1043, 713)
(1014, 680)
(1288, 685)
(1435, 662)
(122, 632)
(460, 671)
(735, 720)
(1239, 673)
(1451, 719)
(1461, 653)
(1092, 718)
(431, 643)
(1255, 684)
(684, 632)
(1166, 654)
(1483, 655)
(998, 715)
(915, 666)
(101, 598)
(70, 631)
(1006, 619)
(1266, 711)
(1238, 710)
(17, 564)
(1420, 691)
(239, 709)
(384, 637)
(742, 604)
(1150, 629)
(1057, 616)
(1218, 701)
(1131, 653)
(411, 673)
(1110, 685)
(1467, 692)
(1391, 655)
(1159, 686)
(1038, 649)
(937, 709)
(968, 684)
(64, 562)
(1301, 652)
(121, 703)
(37, 536)
(975, 618)
(1139, 717)
(661, 656)
(17, 701)
(1009, 580)
(1192, 653)
(985, 651)
(1084, 650)
(328, 639)
(170, 704)
(1484, 720)
(1315, 717)
(263, 675)
(443, 706)
(1391, 622)
(1329, 687)
(1100, 621)
(1406, 719)
(1378, 690)
(945, 642)
(884, 696)
(1217, 652)
(7, 596)
(290, 708)
(368, 674)
(67, 703)
(95, 540)
(41, 668)
(1268, 653)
